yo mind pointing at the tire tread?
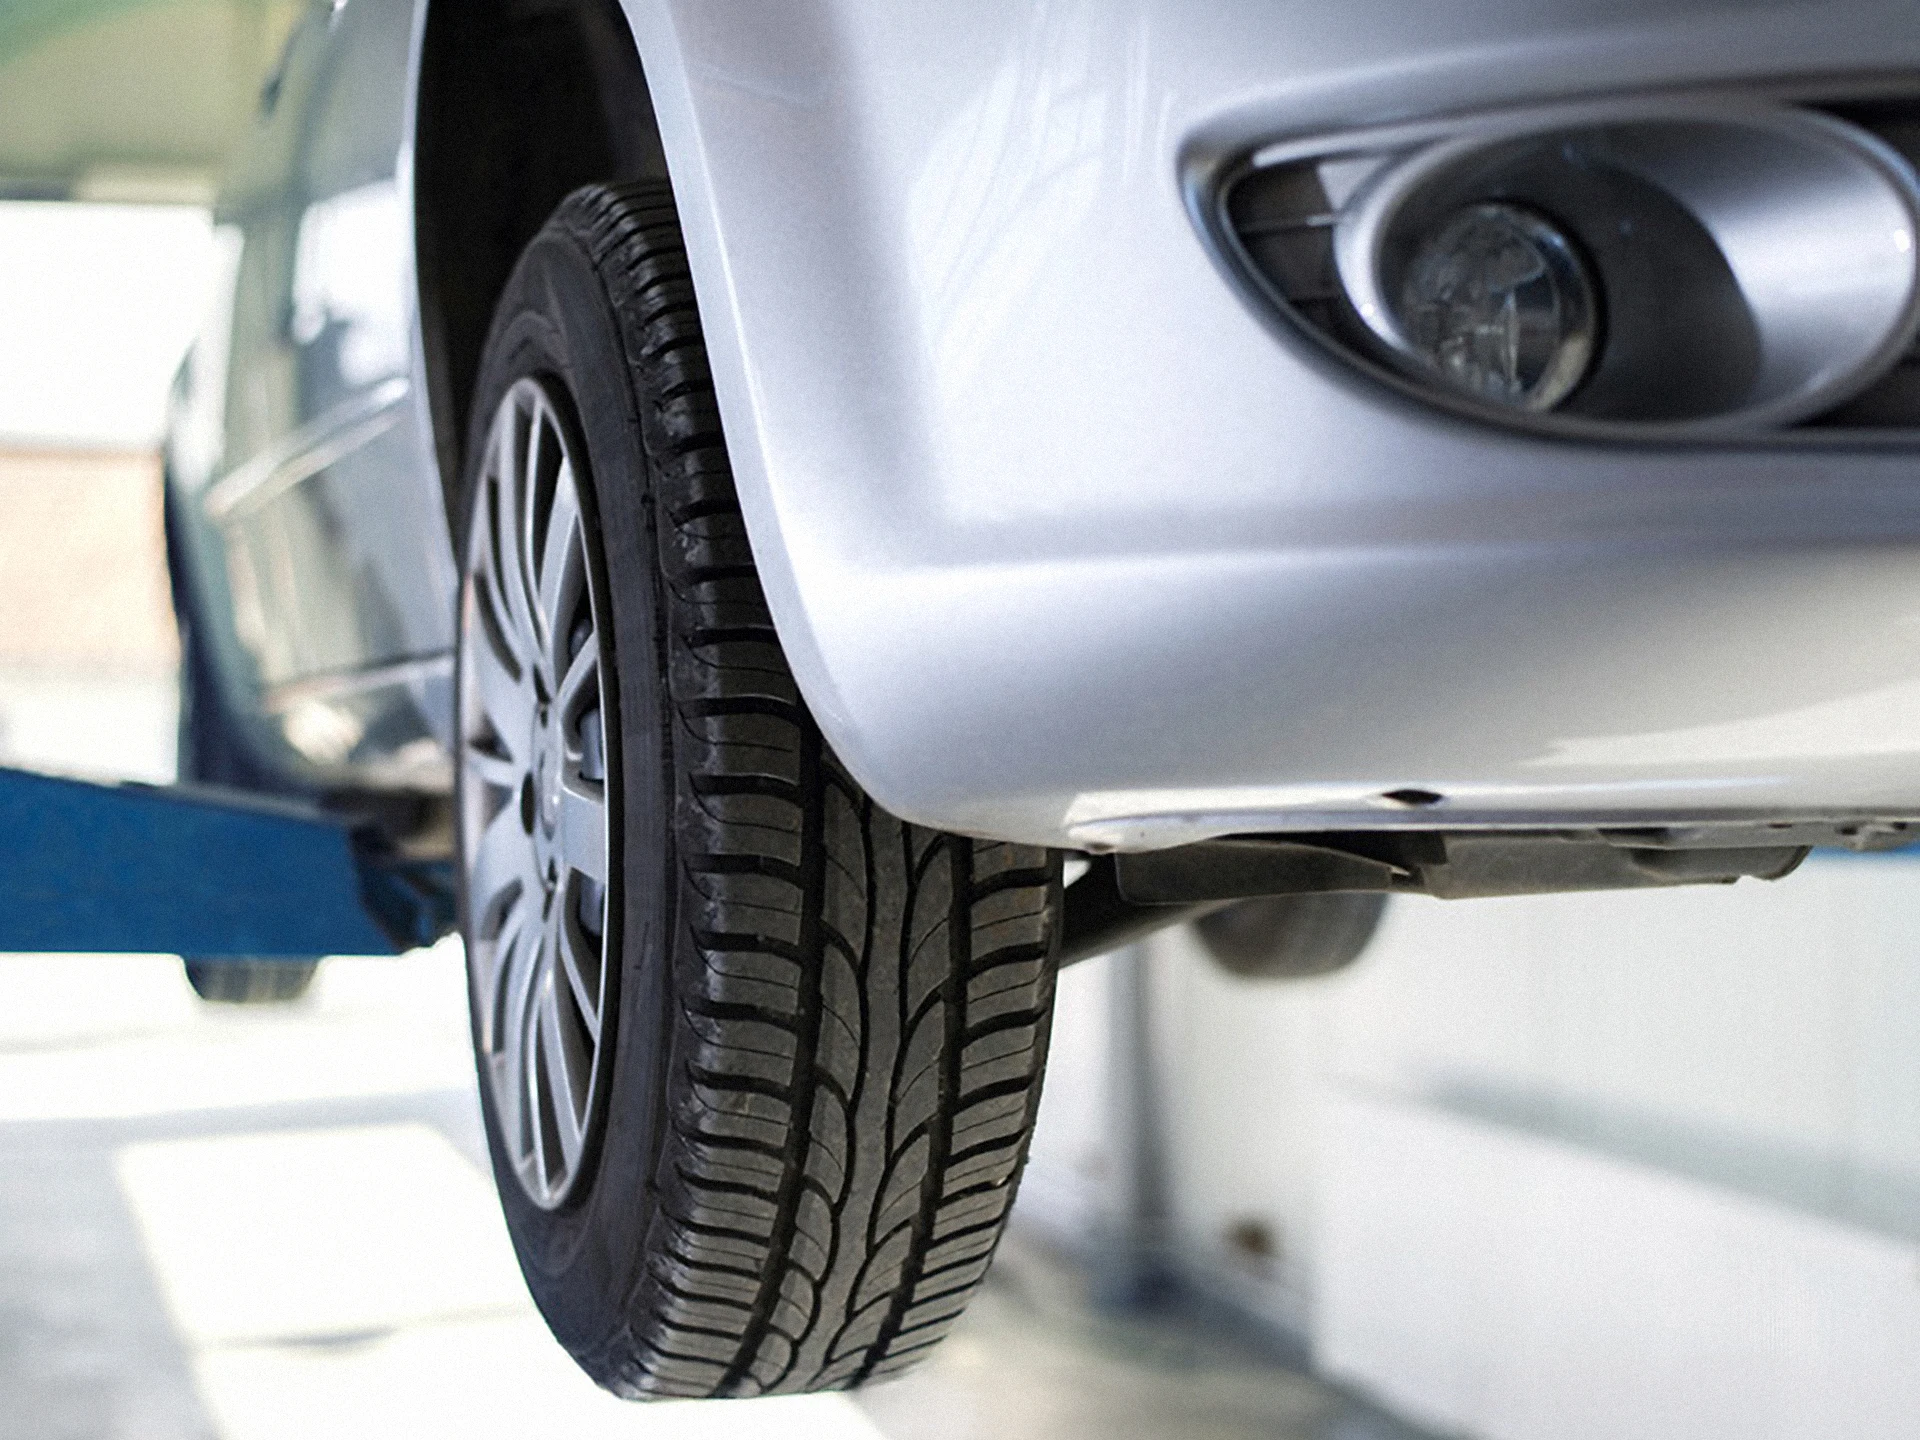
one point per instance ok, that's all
(864, 1003)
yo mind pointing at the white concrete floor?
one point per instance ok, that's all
(264, 1225)
(225, 1224)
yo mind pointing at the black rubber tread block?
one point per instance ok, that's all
(863, 1004)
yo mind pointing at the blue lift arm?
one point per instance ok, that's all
(92, 868)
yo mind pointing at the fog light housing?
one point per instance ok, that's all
(1709, 265)
(1498, 303)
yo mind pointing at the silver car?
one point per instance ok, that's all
(772, 491)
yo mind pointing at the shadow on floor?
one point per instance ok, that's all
(1035, 1358)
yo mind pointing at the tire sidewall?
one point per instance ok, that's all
(556, 322)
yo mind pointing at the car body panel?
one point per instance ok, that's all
(299, 464)
(1070, 543)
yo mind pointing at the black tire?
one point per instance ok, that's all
(828, 1026)
(1291, 937)
(251, 982)
(207, 753)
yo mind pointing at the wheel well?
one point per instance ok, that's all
(521, 103)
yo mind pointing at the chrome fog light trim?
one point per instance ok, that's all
(1748, 264)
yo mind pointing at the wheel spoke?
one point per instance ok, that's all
(579, 956)
(504, 1031)
(510, 1096)
(505, 698)
(533, 1093)
(579, 688)
(562, 566)
(542, 463)
(533, 797)
(510, 551)
(491, 975)
(493, 580)
(500, 629)
(500, 772)
(583, 827)
(502, 860)
(560, 1068)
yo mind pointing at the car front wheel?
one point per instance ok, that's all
(759, 1061)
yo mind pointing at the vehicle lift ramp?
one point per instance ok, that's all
(89, 868)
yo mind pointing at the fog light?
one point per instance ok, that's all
(1498, 302)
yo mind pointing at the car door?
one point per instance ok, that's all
(318, 528)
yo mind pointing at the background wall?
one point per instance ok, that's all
(97, 305)
(1605, 1165)
(131, 100)
(87, 643)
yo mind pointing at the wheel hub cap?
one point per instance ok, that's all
(534, 823)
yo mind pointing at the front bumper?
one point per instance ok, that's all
(1068, 545)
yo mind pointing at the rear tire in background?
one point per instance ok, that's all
(206, 752)
(251, 981)
(1291, 937)
(759, 1061)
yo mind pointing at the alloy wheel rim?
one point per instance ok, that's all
(533, 796)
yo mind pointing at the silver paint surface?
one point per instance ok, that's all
(1071, 544)
(1067, 543)
(298, 457)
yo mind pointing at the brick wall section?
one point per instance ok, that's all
(83, 580)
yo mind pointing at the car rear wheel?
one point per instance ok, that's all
(759, 1061)
(250, 981)
(1291, 937)
(207, 752)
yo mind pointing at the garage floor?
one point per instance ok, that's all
(264, 1226)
